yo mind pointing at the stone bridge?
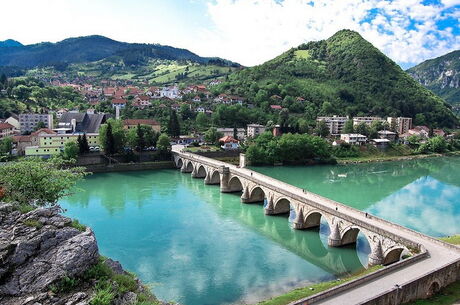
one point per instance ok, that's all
(388, 241)
(304, 209)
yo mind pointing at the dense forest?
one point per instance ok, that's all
(344, 75)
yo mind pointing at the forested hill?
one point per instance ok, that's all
(345, 75)
(93, 48)
(441, 75)
(10, 43)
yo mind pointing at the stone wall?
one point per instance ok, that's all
(124, 167)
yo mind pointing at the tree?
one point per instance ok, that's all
(163, 143)
(348, 127)
(70, 150)
(109, 144)
(6, 146)
(235, 133)
(38, 182)
(202, 120)
(117, 139)
(212, 136)
(362, 128)
(84, 143)
(40, 125)
(173, 125)
(321, 129)
(140, 141)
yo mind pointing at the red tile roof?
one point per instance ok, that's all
(45, 130)
(228, 139)
(4, 126)
(276, 107)
(118, 101)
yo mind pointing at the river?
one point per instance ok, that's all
(197, 246)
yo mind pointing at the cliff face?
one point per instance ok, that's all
(45, 258)
(441, 75)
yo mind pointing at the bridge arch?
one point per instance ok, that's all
(235, 184)
(312, 219)
(349, 235)
(392, 255)
(200, 172)
(189, 167)
(282, 206)
(256, 194)
(179, 163)
(213, 177)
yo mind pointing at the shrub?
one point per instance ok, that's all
(77, 225)
(126, 282)
(104, 294)
(33, 223)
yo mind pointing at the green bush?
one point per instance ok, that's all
(104, 294)
(98, 271)
(77, 225)
(66, 284)
(126, 282)
(33, 223)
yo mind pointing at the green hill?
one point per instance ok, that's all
(344, 74)
(441, 75)
(10, 43)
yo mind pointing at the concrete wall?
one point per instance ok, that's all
(91, 159)
(219, 154)
(124, 167)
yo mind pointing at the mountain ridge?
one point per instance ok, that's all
(441, 75)
(93, 48)
(10, 43)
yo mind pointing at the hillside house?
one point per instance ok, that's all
(353, 138)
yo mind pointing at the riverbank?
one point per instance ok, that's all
(370, 159)
(304, 292)
(125, 167)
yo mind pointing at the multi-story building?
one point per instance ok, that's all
(334, 123)
(401, 124)
(52, 144)
(29, 121)
(6, 130)
(255, 129)
(353, 138)
(368, 120)
(240, 132)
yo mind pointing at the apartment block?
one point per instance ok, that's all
(334, 123)
(28, 121)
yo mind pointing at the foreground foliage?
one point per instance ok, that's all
(38, 182)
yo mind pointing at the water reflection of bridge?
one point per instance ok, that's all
(306, 244)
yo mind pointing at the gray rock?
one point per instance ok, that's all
(32, 258)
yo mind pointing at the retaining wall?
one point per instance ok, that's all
(125, 167)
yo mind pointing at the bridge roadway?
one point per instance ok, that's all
(437, 265)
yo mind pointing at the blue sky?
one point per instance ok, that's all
(246, 31)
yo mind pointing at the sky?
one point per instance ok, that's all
(246, 31)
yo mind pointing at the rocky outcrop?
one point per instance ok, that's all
(41, 249)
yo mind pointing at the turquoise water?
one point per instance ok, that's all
(420, 194)
(197, 246)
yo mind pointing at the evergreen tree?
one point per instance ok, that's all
(109, 144)
(235, 133)
(84, 143)
(321, 129)
(348, 128)
(140, 139)
(173, 125)
(80, 145)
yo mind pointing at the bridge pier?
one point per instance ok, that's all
(185, 169)
(269, 209)
(334, 239)
(224, 179)
(376, 256)
(299, 222)
(245, 196)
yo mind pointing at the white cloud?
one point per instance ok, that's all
(253, 31)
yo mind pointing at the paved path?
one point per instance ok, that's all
(439, 254)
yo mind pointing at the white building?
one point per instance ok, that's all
(255, 129)
(402, 124)
(29, 121)
(368, 120)
(334, 123)
(6, 130)
(240, 132)
(171, 92)
(353, 138)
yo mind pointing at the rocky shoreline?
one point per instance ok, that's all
(46, 258)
